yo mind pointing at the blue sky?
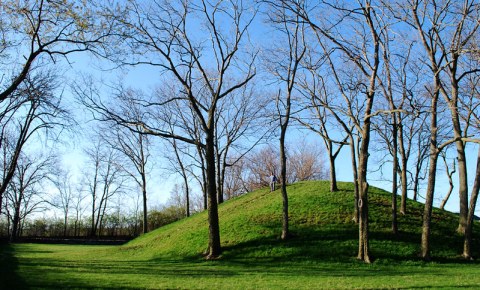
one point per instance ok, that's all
(146, 77)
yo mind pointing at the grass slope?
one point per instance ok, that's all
(321, 222)
(320, 255)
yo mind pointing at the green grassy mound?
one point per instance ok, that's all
(321, 224)
(320, 255)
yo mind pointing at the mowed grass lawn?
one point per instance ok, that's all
(321, 253)
(67, 266)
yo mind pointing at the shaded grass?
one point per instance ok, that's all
(321, 253)
(49, 266)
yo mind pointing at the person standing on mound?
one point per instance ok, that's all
(273, 180)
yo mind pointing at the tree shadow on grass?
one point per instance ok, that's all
(9, 278)
(340, 245)
(405, 247)
(311, 245)
(241, 261)
(124, 274)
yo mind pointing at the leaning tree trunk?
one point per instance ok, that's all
(467, 244)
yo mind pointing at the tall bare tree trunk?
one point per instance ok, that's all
(403, 178)
(467, 244)
(363, 243)
(145, 209)
(356, 186)
(432, 172)
(394, 176)
(283, 176)
(93, 229)
(65, 225)
(452, 101)
(144, 185)
(286, 71)
(214, 247)
(462, 177)
(416, 181)
(403, 160)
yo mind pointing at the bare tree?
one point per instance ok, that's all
(445, 48)
(471, 117)
(79, 207)
(287, 55)
(396, 87)
(104, 179)
(62, 181)
(319, 119)
(35, 34)
(24, 193)
(418, 135)
(324, 101)
(134, 147)
(465, 19)
(186, 160)
(179, 164)
(467, 244)
(333, 146)
(259, 165)
(305, 162)
(241, 125)
(411, 119)
(236, 179)
(158, 32)
(38, 32)
(359, 47)
(239, 128)
(452, 47)
(37, 109)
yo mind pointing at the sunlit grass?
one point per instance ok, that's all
(321, 253)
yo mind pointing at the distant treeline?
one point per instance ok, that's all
(114, 226)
